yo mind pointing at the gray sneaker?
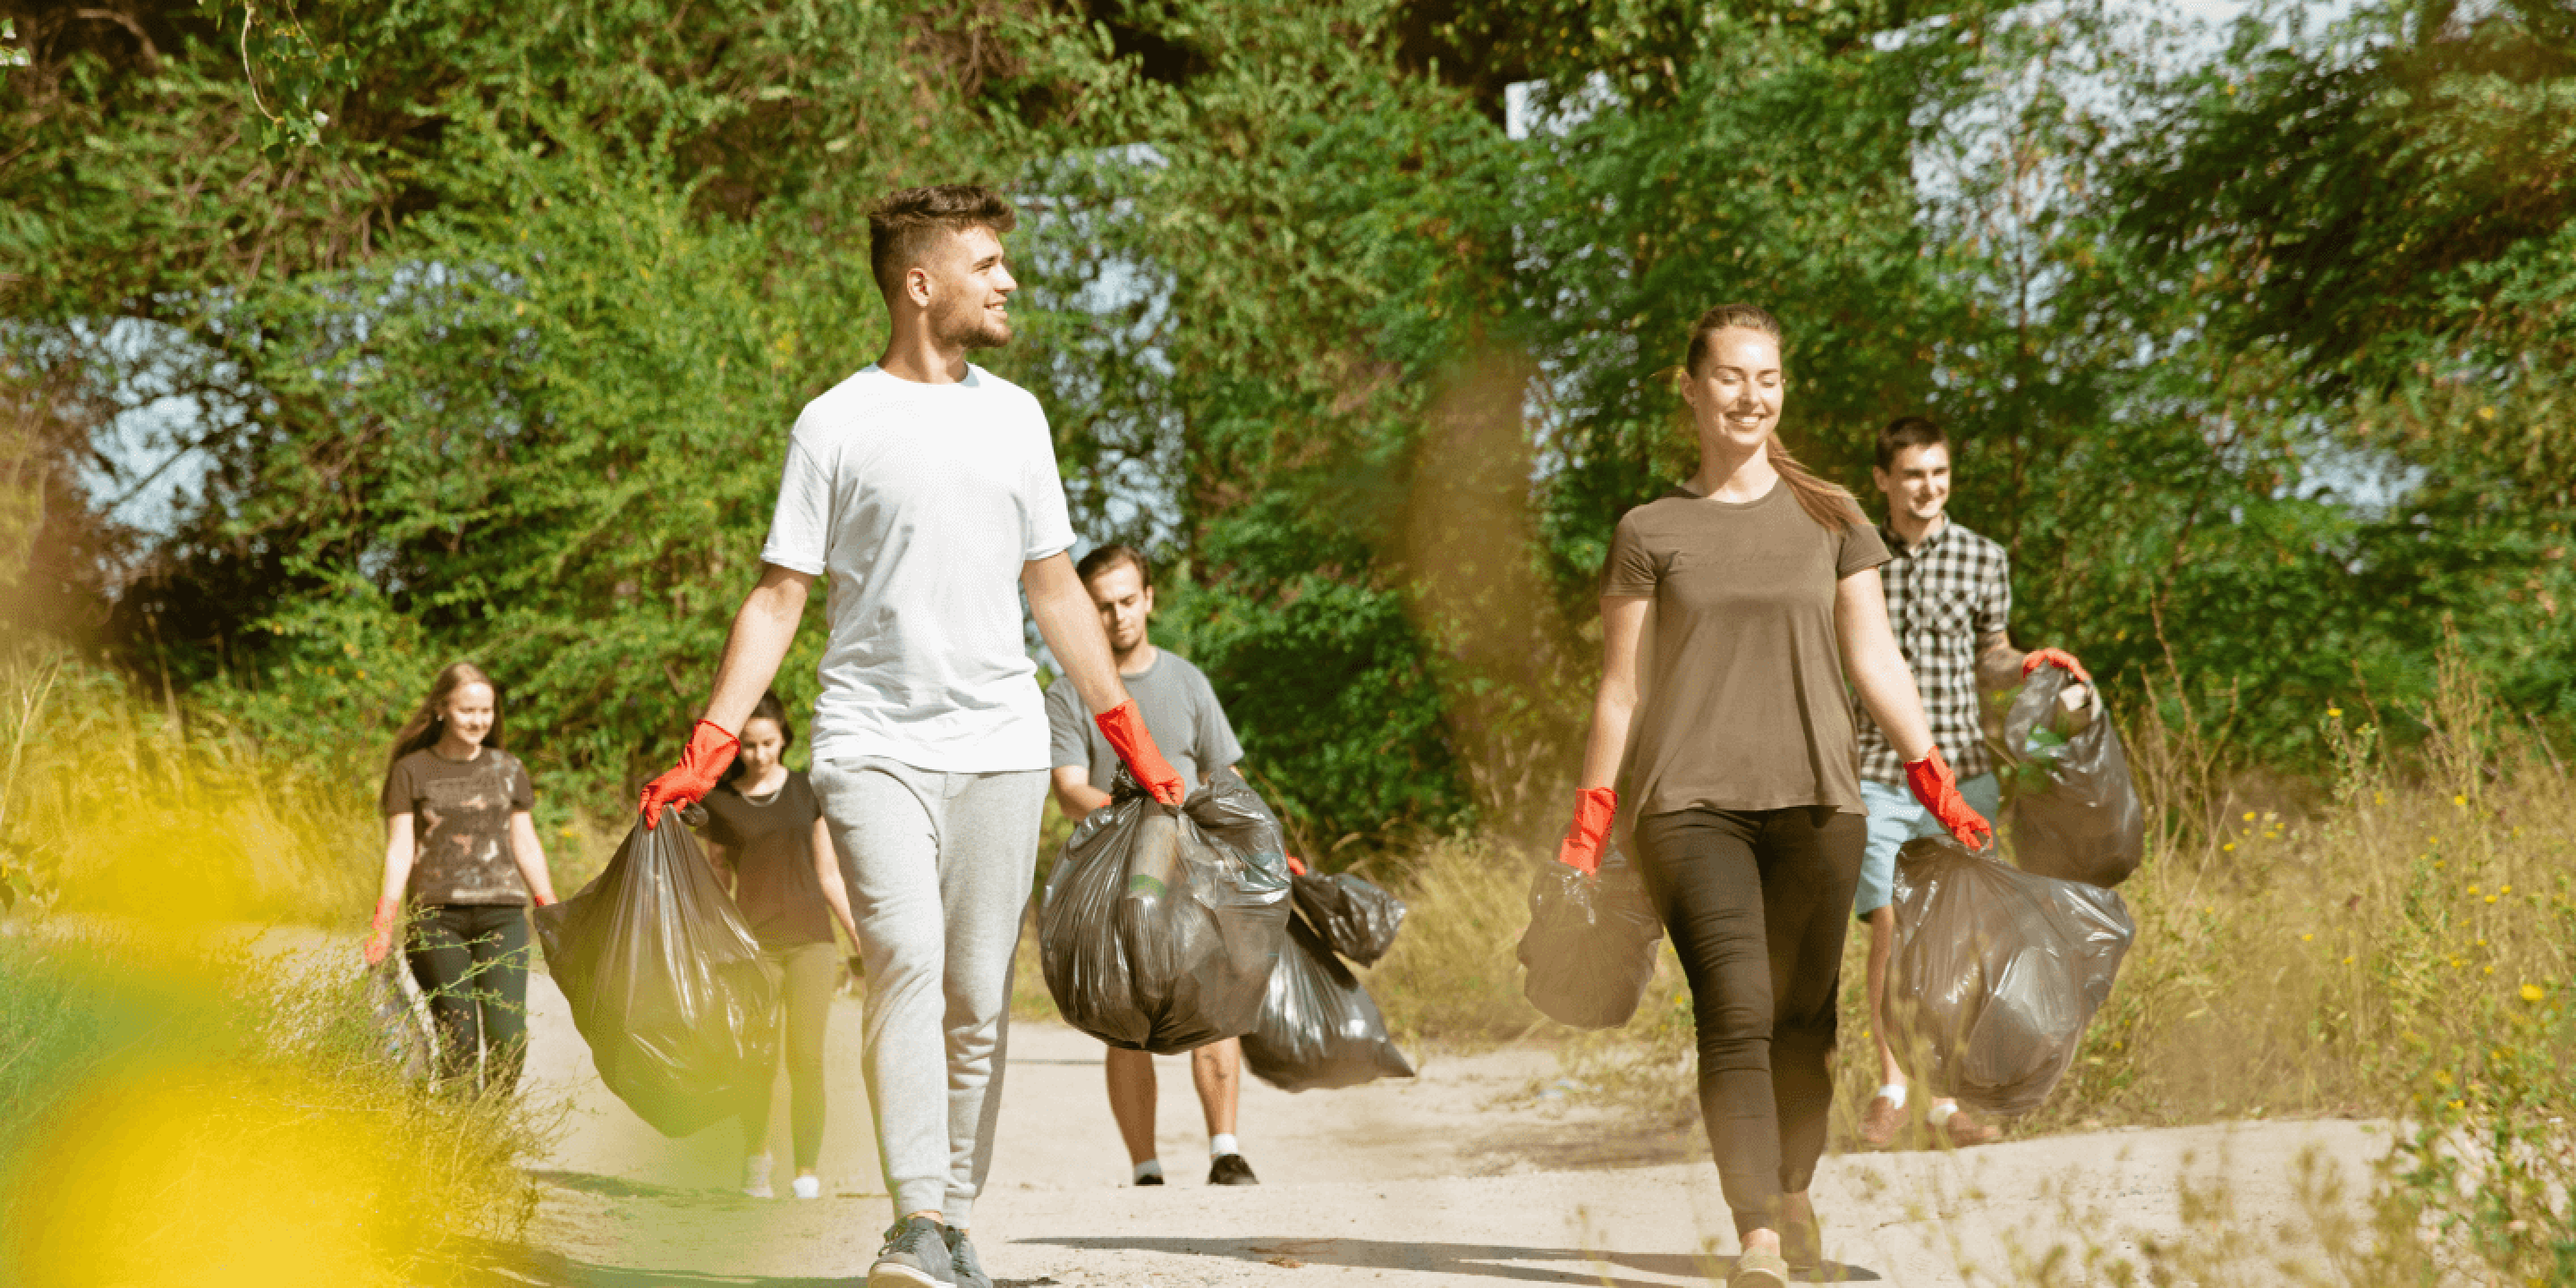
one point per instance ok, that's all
(961, 1255)
(914, 1256)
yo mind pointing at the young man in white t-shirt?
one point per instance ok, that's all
(925, 488)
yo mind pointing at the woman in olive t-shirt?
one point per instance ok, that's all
(1734, 608)
(461, 850)
(765, 834)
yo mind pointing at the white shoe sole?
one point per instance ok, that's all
(763, 1192)
(892, 1276)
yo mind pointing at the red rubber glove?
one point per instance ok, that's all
(702, 762)
(1296, 866)
(1938, 789)
(2054, 657)
(1124, 726)
(380, 930)
(1594, 807)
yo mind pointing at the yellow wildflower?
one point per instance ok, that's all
(2532, 993)
(2305, 938)
(2334, 713)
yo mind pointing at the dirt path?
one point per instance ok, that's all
(1460, 1177)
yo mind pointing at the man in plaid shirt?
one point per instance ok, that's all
(1949, 594)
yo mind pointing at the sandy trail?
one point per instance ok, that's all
(1457, 1178)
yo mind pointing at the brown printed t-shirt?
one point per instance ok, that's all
(770, 840)
(460, 828)
(1744, 706)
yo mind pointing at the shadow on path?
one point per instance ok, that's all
(512, 1267)
(1463, 1259)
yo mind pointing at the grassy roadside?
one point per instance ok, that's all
(2397, 944)
(177, 1105)
(181, 1109)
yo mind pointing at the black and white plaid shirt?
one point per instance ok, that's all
(1942, 597)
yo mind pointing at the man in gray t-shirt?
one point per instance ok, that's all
(1182, 713)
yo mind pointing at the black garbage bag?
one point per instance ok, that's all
(1319, 1029)
(1355, 916)
(1160, 927)
(1995, 973)
(667, 984)
(1590, 947)
(2076, 815)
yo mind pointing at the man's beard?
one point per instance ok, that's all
(975, 329)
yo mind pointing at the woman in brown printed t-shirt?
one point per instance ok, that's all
(461, 850)
(765, 836)
(1734, 609)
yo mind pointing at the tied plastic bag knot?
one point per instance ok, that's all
(1159, 928)
(1356, 917)
(1589, 951)
(1319, 1029)
(2076, 814)
(1995, 973)
(666, 982)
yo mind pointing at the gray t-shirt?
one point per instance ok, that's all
(1180, 710)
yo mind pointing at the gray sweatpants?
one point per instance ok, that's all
(938, 867)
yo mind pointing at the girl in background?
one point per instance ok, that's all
(765, 836)
(461, 851)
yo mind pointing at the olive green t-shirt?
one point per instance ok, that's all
(1744, 706)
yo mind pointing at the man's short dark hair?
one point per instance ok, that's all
(1110, 556)
(1904, 432)
(903, 225)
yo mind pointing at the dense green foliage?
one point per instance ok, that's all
(500, 348)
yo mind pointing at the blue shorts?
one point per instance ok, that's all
(1895, 818)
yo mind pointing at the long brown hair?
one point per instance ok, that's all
(1832, 507)
(428, 724)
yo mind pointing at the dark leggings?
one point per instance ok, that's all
(809, 974)
(472, 962)
(1757, 902)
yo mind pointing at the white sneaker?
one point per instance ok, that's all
(755, 1177)
(808, 1187)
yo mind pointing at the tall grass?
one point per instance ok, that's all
(177, 1104)
(117, 803)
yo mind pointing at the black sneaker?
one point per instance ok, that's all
(961, 1256)
(1230, 1169)
(915, 1255)
(1155, 1179)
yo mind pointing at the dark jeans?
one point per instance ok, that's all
(1757, 902)
(808, 974)
(472, 962)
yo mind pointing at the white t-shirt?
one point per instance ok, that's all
(921, 503)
